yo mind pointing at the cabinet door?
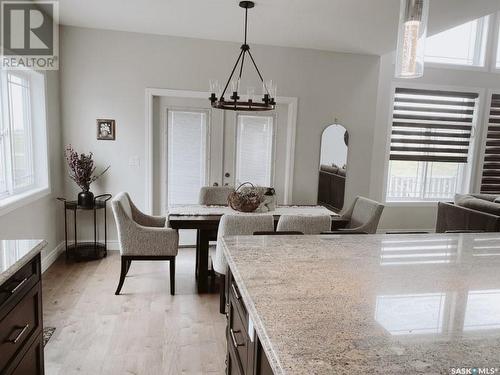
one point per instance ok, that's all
(32, 362)
(237, 337)
(23, 322)
(262, 366)
(233, 367)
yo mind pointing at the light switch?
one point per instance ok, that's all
(134, 161)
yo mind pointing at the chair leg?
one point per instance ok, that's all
(129, 262)
(172, 276)
(123, 273)
(222, 291)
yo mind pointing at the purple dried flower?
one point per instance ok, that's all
(81, 168)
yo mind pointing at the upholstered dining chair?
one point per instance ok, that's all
(214, 195)
(307, 224)
(363, 216)
(235, 225)
(143, 237)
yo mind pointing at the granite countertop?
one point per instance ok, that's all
(374, 304)
(14, 254)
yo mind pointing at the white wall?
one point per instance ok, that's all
(104, 75)
(420, 216)
(42, 219)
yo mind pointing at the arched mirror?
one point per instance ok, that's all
(332, 167)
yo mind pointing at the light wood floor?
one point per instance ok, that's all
(143, 331)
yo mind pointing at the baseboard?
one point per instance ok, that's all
(51, 257)
(385, 230)
(112, 245)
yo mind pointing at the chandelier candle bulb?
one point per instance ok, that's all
(268, 102)
(251, 94)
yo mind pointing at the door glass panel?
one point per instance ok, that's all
(254, 150)
(187, 156)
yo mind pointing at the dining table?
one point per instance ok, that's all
(205, 220)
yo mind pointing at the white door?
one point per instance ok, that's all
(200, 146)
(190, 155)
(255, 148)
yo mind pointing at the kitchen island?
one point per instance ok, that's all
(21, 338)
(354, 304)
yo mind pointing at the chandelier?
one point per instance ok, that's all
(234, 103)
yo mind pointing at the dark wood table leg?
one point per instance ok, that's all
(203, 243)
(197, 256)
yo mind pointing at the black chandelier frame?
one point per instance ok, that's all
(268, 102)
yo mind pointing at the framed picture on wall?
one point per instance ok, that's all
(106, 130)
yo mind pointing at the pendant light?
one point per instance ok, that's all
(233, 102)
(411, 38)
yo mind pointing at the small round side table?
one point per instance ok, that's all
(86, 250)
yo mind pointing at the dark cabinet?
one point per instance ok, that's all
(245, 356)
(331, 190)
(21, 348)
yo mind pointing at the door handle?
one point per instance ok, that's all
(215, 184)
(19, 285)
(20, 334)
(233, 338)
(235, 292)
(227, 174)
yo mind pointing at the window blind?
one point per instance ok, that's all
(254, 150)
(432, 125)
(490, 181)
(187, 143)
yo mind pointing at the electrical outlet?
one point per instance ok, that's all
(134, 161)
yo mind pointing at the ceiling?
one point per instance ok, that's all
(357, 26)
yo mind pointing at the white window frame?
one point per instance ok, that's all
(492, 20)
(164, 150)
(494, 44)
(39, 147)
(273, 151)
(471, 168)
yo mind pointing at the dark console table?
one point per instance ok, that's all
(86, 250)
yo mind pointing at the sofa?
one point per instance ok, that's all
(331, 187)
(469, 212)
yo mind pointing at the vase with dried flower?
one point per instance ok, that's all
(82, 171)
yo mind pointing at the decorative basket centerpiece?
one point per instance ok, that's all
(246, 198)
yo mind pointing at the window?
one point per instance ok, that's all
(461, 45)
(498, 45)
(430, 144)
(483, 310)
(254, 149)
(490, 181)
(187, 147)
(411, 314)
(23, 141)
